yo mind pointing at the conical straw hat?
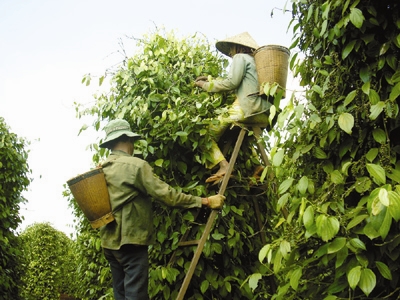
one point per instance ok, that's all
(243, 39)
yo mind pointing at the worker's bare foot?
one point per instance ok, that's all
(217, 177)
(258, 171)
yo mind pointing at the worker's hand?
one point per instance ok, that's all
(202, 78)
(200, 83)
(216, 201)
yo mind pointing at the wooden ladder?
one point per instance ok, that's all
(257, 131)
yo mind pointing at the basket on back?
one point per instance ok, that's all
(272, 63)
(91, 194)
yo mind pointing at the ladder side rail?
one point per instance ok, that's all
(232, 161)
(211, 218)
(257, 134)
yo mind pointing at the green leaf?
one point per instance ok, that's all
(283, 200)
(385, 47)
(345, 167)
(394, 175)
(323, 27)
(98, 244)
(327, 227)
(303, 184)
(218, 236)
(341, 256)
(285, 185)
(374, 97)
(337, 244)
(370, 231)
(337, 177)
(305, 149)
(181, 133)
(264, 252)
(396, 76)
(394, 205)
(363, 184)
(355, 221)
(182, 167)
(204, 286)
(376, 205)
(366, 86)
(277, 262)
(384, 270)
(188, 216)
(273, 89)
(356, 17)
(372, 154)
(376, 110)
(308, 217)
(346, 122)
(354, 277)
(384, 196)
(349, 98)
(295, 278)
(347, 50)
(278, 158)
(228, 286)
(386, 224)
(377, 173)
(217, 248)
(379, 135)
(319, 153)
(318, 90)
(253, 280)
(328, 167)
(284, 248)
(159, 162)
(267, 88)
(272, 113)
(357, 244)
(367, 281)
(395, 93)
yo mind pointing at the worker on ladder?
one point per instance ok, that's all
(249, 106)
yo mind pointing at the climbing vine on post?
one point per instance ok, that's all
(14, 179)
(154, 91)
(339, 176)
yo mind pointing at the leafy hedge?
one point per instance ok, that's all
(14, 172)
(49, 263)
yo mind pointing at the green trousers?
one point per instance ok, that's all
(235, 115)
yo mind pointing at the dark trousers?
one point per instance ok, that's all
(129, 268)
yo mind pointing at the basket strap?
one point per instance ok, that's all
(107, 162)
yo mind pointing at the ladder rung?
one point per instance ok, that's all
(188, 243)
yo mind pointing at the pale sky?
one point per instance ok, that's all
(46, 47)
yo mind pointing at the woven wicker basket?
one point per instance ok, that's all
(272, 63)
(90, 192)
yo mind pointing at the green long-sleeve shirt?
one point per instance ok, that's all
(242, 78)
(131, 186)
